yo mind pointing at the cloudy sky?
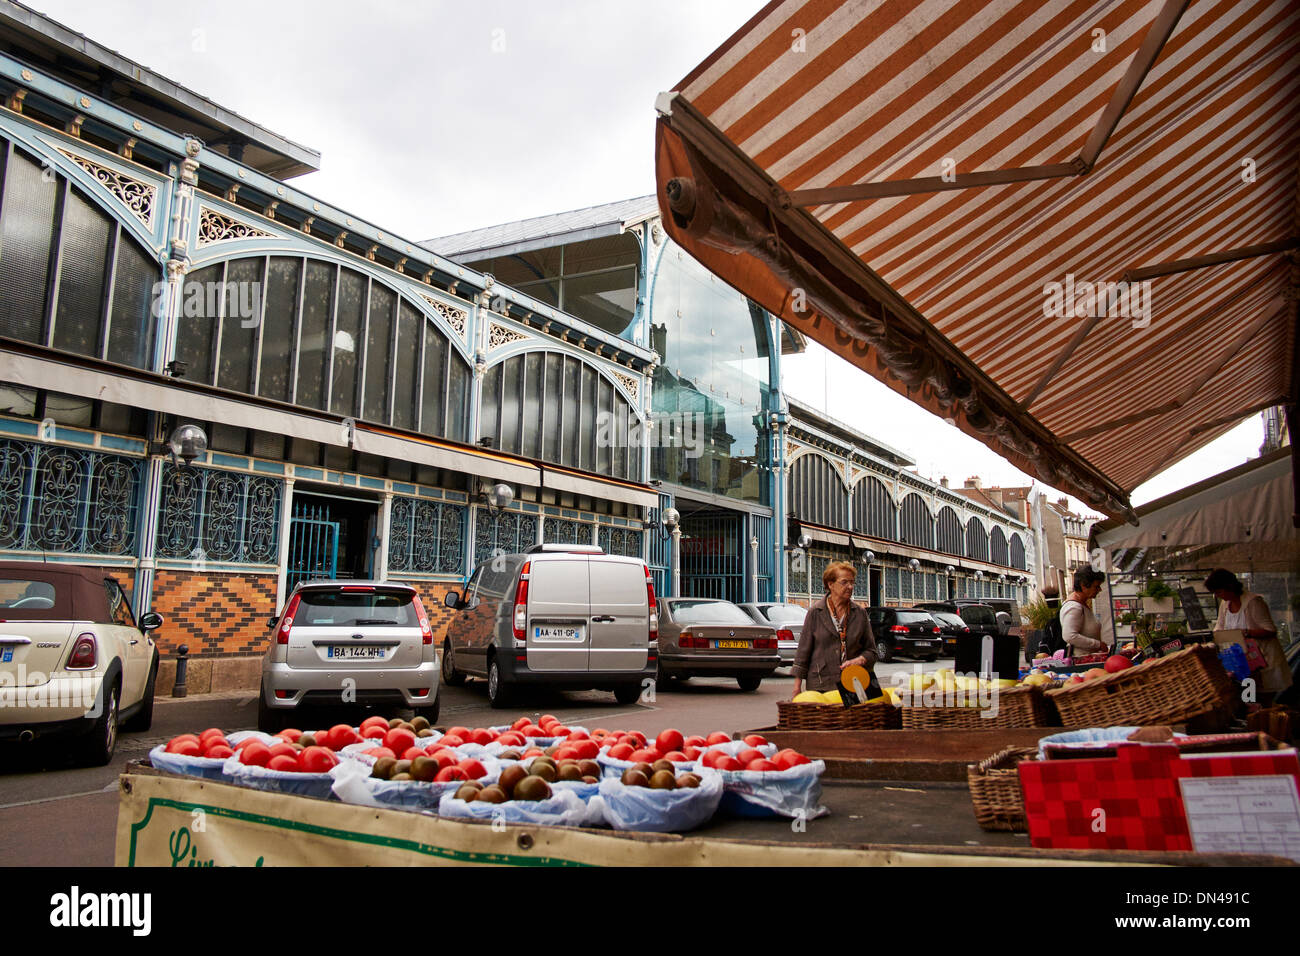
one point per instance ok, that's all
(437, 117)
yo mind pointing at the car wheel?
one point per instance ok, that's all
(269, 721)
(627, 693)
(450, 676)
(431, 712)
(143, 718)
(884, 651)
(498, 694)
(749, 683)
(101, 741)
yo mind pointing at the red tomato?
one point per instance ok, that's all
(373, 722)
(691, 753)
(445, 758)
(473, 769)
(558, 730)
(178, 739)
(450, 740)
(450, 773)
(566, 753)
(669, 740)
(587, 749)
(676, 756)
(718, 737)
(410, 753)
(316, 760)
(637, 736)
(185, 748)
(761, 764)
(728, 763)
(520, 724)
(696, 741)
(247, 742)
(481, 736)
(378, 752)
(598, 733)
(754, 740)
(748, 756)
(545, 719)
(398, 740)
(211, 732)
(218, 752)
(532, 730)
(458, 731)
(374, 731)
(618, 752)
(286, 750)
(647, 755)
(290, 734)
(283, 762)
(341, 735)
(538, 752)
(256, 754)
(578, 735)
(785, 759)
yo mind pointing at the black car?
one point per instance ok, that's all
(951, 626)
(905, 631)
(980, 618)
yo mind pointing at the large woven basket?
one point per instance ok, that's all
(881, 716)
(995, 792)
(1167, 690)
(1023, 706)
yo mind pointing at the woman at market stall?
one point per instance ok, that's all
(1247, 611)
(1079, 626)
(836, 633)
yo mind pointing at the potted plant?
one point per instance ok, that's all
(1157, 597)
(1039, 616)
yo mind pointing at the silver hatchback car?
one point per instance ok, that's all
(349, 642)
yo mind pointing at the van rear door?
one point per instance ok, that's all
(620, 615)
(559, 608)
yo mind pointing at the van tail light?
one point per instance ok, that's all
(426, 632)
(653, 605)
(282, 637)
(521, 602)
(898, 629)
(83, 653)
(785, 634)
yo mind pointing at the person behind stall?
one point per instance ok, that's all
(836, 633)
(1079, 626)
(1247, 612)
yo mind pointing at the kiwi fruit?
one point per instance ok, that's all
(467, 793)
(401, 776)
(420, 723)
(473, 783)
(532, 787)
(546, 771)
(570, 771)
(511, 776)
(384, 768)
(589, 768)
(394, 722)
(298, 747)
(403, 766)
(551, 750)
(663, 765)
(590, 779)
(492, 794)
(688, 780)
(663, 780)
(307, 740)
(424, 732)
(510, 755)
(635, 778)
(644, 768)
(424, 768)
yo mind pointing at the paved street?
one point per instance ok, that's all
(55, 814)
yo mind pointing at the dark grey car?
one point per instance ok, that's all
(705, 637)
(788, 621)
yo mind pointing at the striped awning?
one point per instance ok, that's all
(1067, 227)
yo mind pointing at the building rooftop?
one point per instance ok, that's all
(75, 59)
(593, 222)
(848, 434)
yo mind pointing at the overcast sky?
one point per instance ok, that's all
(436, 117)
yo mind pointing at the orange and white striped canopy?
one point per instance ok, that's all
(1070, 227)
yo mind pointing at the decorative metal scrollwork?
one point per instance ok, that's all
(566, 532)
(219, 516)
(511, 532)
(216, 227)
(624, 541)
(426, 537)
(137, 196)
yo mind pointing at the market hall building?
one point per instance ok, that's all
(362, 393)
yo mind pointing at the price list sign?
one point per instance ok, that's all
(1251, 814)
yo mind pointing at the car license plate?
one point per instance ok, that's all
(731, 645)
(558, 632)
(925, 643)
(8, 655)
(363, 652)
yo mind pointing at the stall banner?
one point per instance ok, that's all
(1132, 800)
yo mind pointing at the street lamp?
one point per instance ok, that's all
(187, 442)
(805, 544)
(671, 519)
(498, 498)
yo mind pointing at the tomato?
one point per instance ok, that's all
(669, 740)
(696, 741)
(374, 731)
(378, 752)
(728, 763)
(410, 753)
(638, 737)
(290, 734)
(762, 764)
(185, 748)
(754, 740)
(566, 753)
(176, 740)
(646, 755)
(785, 759)
(373, 722)
(218, 752)
(445, 758)
(447, 774)
(256, 754)
(284, 749)
(473, 769)
(617, 752)
(340, 735)
(748, 756)
(283, 762)
(316, 760)
(247, 742)
(481, 736)
(451, 740)
(718, 737)
(520, 724)
(578, 735)
(676, 756)
(532, 752)
(211, 732)
(398, 740)
(586, 749)
(599, 733)
(559, 730)
(461, 732)
(691, 753)
(546, 719)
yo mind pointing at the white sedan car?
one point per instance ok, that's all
(73, 661)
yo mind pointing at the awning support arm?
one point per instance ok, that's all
(1144, 273)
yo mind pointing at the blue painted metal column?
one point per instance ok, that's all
(286, 523)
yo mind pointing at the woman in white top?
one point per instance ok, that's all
(1079, 626)
(1247, 611)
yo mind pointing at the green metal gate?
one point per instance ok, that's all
(713, 556)
(313, 544)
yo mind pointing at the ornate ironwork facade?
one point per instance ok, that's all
(510, 531)
(222, 516)
(426, 537)
(563, 531)
(624, 541)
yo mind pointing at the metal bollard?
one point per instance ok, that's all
(182, 665)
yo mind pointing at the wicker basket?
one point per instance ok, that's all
(995, 792)
(1167, 690)
(876, 716)
(1023, 706)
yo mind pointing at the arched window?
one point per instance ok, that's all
(71, 277)
(949, 538)
(555, 407)
(816, 493)
(998, 546)
(977, 540)
(874, 511)
(917, 522)
(1018, 551)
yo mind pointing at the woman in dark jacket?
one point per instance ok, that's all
(836, 633)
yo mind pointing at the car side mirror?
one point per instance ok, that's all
(452, 600)
(271, 621)
(151, 621)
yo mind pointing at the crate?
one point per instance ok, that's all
(873, 716)
(1167, 690)
(1017, 707)
(995, 792)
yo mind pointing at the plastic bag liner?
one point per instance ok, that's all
(278, 781)
(1092, 738)
(774, 793)
(661, 811)
(352, 783)
(612, 767)
(564, 808)
(239, 736)
(209, 768)
(733, 747)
